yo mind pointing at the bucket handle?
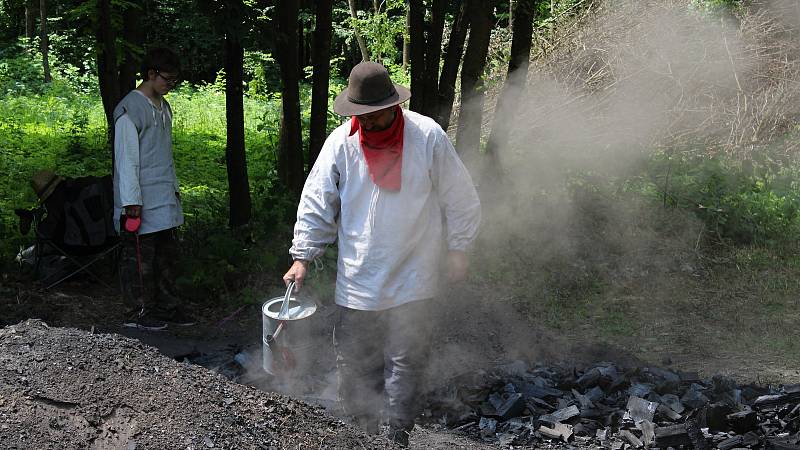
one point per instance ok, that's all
(285, 305)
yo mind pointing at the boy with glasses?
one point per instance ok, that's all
(147, 197)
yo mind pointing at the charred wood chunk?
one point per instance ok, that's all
(667, 412)
(791, 388)
(583, 400)
(595, 394)
(672, 436)
(590, 378)
(751, 438)
(743, 421)
(640, 390)
(783, 443)
(559, 431)
(561, 415)
(633, 440)
(768, 401)
(648, 432)
(586, 427)
(487, 426)
(732, 442)
(699, 441)
(673, 402)
(716, 416)
(694, 399)
(512, 406)
(640, 409)
(532, 390)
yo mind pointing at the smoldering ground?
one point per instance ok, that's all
(576, 213)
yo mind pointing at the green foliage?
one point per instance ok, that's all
(381, 29)
(715, 7)
(263, 72)
(61, 127)
(758, 205)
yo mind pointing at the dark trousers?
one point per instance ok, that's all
(381, 354)
(156, 255)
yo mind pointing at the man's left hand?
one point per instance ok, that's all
(457, 265)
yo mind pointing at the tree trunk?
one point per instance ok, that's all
(31, 11)
(132, 38)
(322, 70)
(452, 60)
(107, 73)
(407, 41)
(468, 135)
(433, 55)
(506, 108)
(235, 157)
(416, 24)
(44, 40)
(361, 44)
(290, 152)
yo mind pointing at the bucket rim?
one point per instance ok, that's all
(306, 309)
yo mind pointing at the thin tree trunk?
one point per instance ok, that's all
(31, 11)
(470, 114)
(290, 152)
(407, 41)
(452, 61)
(361, 44)
(416, 13)
(45, 42)
(322, 70)
(506, 108)
(235, 156)
(132, 37)
(107, 73)
(433, 55)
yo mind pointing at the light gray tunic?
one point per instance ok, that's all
(391, 243)
(144, 172)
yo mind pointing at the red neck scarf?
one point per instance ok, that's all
(383, 151)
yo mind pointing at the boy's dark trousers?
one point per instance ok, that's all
(155, 256)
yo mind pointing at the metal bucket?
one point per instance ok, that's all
(285, 336)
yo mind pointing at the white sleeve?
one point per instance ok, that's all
(126, 161)
(177, 186)
(318, 210)
(457, 195)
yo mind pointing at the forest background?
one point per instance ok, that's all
(695, 230)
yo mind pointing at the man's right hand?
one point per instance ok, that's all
(133, 210)
(296, 273)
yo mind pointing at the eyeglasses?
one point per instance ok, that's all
(171, 81)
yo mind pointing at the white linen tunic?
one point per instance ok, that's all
(144, 171)
(391, 243)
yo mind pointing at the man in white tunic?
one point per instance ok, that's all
(146, 195)
(390, 187)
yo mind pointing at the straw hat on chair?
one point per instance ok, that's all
(44, 182)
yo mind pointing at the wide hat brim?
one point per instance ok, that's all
(345, 107)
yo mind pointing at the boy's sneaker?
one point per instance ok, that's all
(179, 317)
(145, 321)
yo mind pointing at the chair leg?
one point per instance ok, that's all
(84, 267)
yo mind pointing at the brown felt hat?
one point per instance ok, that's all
(369, 89)
(44, 182)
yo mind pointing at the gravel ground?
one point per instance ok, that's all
(67, 388)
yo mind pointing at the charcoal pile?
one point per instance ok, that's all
(617, 408)
(68, 388)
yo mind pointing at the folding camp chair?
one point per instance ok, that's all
(74, 226)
